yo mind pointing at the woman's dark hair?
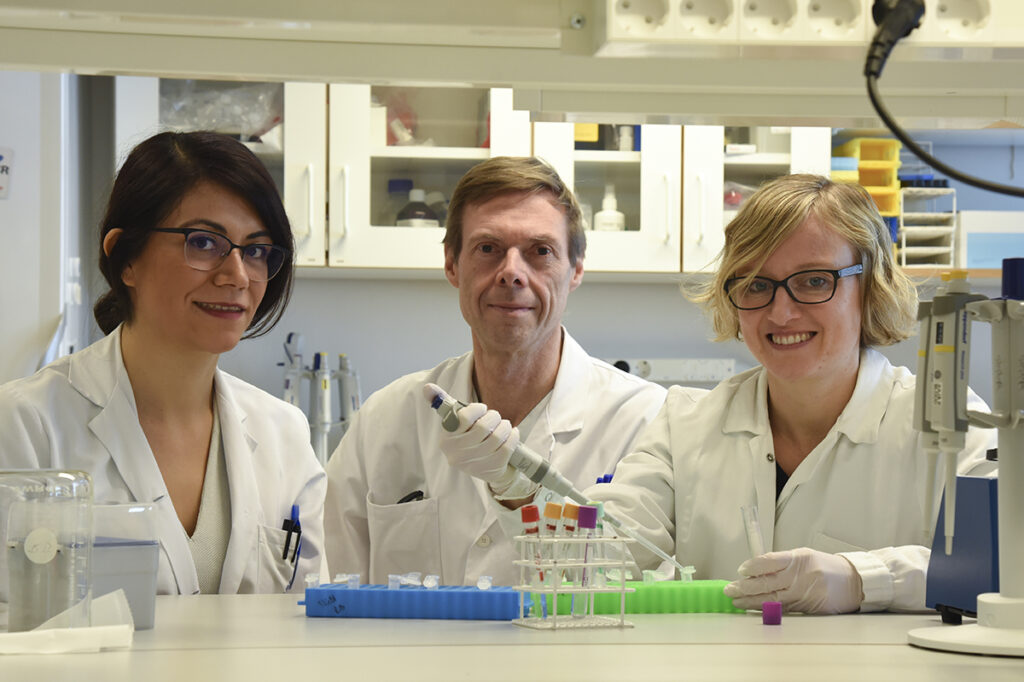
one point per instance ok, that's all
(151, 184)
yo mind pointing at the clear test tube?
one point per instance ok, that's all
(570, 516)
(752, 525)
(552, 528)
(531, 515)
(588, 524)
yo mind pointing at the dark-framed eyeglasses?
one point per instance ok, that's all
(807, 286)
(205, 250)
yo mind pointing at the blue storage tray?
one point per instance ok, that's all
(448, 602)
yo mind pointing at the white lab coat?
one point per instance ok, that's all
(79, 413)
(859, 492)
(392, 448)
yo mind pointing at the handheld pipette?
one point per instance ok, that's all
(950, 344)
(922, 411)
(537, 469)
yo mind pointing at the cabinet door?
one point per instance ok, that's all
(441, 133)
(305, 169)
(644, 184)
(703, 229)
(283, 124)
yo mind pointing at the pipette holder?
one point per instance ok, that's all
(550, 566)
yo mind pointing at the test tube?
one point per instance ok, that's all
(531, 515)
(752, 524)
(587, 526)
(552, 519)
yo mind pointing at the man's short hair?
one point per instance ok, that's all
(512, 175)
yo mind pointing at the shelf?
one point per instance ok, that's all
(924, 251)
(766, 163)
(928, 218)
(926, 192)
(926, 232)
(444, 153)
(603, 156)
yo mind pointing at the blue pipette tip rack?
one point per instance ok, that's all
(447, 602)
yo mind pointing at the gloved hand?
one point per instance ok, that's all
(802, 579)
(481, 445)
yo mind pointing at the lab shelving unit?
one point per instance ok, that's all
(927, 227)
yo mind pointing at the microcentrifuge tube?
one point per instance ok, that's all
(752, 525)
(312, 580)
(394, 581)
(484, 582)
(431, 581)
(353, 581)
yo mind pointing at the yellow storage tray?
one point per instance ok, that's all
(871, 149)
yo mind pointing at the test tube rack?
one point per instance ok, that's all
(551, 567)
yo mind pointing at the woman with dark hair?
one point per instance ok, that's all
(197, 250)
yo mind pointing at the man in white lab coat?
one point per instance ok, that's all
(514, 249)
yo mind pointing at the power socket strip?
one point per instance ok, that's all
(679, 370)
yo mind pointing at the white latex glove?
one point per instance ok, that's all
(803, 580)
(482, 445)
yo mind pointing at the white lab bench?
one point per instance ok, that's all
(268, 637)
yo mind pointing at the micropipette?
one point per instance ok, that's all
(538, 470)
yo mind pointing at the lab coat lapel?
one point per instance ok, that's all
(239, 446)
(567, 408)
(750, 414)
(98, 373)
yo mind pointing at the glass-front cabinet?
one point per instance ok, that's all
(627, 183)
(284, 124)
(396, 154)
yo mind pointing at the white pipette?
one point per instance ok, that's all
(538, 470)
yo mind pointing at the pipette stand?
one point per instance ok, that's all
(999, 629)
(551, 566)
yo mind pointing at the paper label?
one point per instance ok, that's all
(41, 546)
(6, 158)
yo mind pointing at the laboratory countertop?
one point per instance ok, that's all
(268, 637)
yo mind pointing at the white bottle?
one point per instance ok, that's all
(609, 218)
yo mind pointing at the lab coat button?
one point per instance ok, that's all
(484, 541)
(770, 457)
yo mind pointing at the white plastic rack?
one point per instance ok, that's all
(577, 566)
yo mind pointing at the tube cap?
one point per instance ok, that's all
(1013, 278)
(771, 613)
(552, 510)
(588, 517)
(530, 513)
(570, 511)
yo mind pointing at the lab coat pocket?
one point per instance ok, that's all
(830, 545)
(404, 538)
(273, 572)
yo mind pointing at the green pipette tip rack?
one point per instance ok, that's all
(669, 596)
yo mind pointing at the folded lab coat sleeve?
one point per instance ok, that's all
(642, 492)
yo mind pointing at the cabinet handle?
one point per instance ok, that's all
(701, 217)
(668, 207)
(310, 195)
(343, 179)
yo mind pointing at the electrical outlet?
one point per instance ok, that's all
(679, 370)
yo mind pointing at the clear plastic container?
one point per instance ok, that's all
(125, 555)
(416, 213)
(46, 520)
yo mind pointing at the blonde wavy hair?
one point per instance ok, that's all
(774, 212)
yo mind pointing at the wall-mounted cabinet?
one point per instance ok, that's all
(645, 185)
(284, 124)
(451, 130)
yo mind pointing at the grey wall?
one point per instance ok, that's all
(392, 327)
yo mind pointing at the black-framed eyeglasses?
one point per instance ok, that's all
(205, 250)
(806, 286)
